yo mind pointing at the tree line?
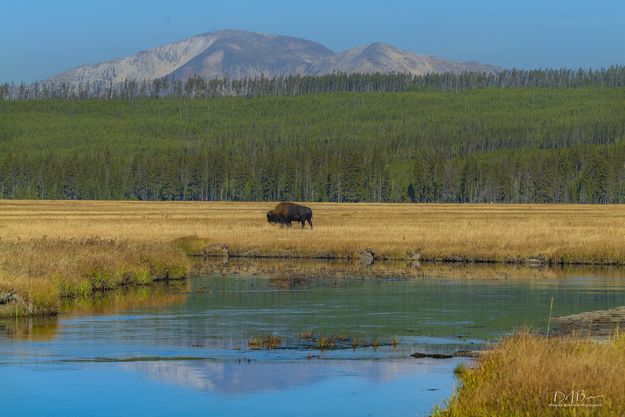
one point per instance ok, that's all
(295, 85)
(490, 145)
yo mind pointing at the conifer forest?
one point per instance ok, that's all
(546, 136)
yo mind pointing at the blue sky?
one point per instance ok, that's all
(41, 38)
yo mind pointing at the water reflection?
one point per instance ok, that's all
(20, 328)
(138, 298)
(450, 303)
(118, 301)
(331, 268)
(242, 377)
(177, 389)
(188, 340)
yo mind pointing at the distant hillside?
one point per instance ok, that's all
(384, 58)
(242, 54)
(491, 145)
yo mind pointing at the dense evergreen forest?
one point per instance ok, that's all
(295, 85)
(465, 145)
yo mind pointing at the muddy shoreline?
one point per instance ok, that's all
(598, 324)
(292, 272)
(368, 256)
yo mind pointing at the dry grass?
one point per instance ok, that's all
(32, 295)
(521, 376)
(557, 233)
(50, 249)
(42, 271)
(102, 303)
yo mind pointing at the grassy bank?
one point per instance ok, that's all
(36, 274)
(55, 249)
(530, 375)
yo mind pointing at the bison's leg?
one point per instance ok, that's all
(310, 222)
(303, 222)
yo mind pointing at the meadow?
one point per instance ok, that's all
(530, 375)
(50, 250)
(591, 234)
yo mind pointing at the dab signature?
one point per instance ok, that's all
(575, 398)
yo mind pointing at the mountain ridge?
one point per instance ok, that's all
(244, 54)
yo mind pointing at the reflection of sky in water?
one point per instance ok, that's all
(186, 352)
(250, 377)
(305, 388)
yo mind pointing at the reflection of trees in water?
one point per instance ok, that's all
(22, 328)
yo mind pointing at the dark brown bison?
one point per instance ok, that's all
(285, 213)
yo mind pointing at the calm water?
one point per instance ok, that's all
(183, 349)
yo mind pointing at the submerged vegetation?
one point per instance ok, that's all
(265, 342)
(310, 340)
(342, 341)
(490, 145)
(530, 375)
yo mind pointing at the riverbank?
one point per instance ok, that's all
(457, 303)
(55, 249)
(37, 274)
(598, 324)
(530, 375)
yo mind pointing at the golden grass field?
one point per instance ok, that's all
(521, 376)
(560, 233)
(53, 249)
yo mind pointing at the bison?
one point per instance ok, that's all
(285, 213)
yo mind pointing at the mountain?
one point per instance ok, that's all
(241, 54)
(381, 57)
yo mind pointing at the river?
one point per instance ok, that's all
(183, 349)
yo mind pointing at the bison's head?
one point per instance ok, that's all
(271, 218)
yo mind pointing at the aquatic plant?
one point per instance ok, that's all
(375, 343)
(394, 342)
(325, 342)
(265, 342)
(306, 335)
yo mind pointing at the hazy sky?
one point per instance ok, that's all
(41, 38)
